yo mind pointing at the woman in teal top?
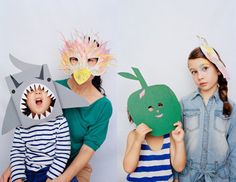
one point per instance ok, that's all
(85, 59)
(87, 125)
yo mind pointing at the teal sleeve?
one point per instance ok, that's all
(62, 82)
(97, 132)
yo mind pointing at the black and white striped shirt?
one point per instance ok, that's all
(40, 146)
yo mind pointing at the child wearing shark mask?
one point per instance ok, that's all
(41, 145)
(40, 151)
(156, 145)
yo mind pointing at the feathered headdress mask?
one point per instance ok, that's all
(84, 56)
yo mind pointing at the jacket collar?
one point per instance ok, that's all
(196, 93)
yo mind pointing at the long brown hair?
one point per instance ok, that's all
(222, 82)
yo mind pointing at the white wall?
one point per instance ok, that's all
(154, 35)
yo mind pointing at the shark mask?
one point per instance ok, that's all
(31, 79)
(156, 105)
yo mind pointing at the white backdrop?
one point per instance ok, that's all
(154, 35)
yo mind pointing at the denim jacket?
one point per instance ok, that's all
(210, 140)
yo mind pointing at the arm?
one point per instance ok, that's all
(62, 151)
(135, 139)
(93, 139)
(232, 146)
(83, 157)
(178, 154)
(17, 157)
(6, 176)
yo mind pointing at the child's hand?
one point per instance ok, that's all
(141, 132)
(178, 133)
(6, 176)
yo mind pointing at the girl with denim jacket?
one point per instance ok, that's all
(209, 121)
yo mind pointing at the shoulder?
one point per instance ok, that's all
(62, 82)
(59, 121)
(232, 103)
(189, 97)
(189, 101)
(100, 110)
(105, 100)
(233, 114)
(105, 105)
(61, 118)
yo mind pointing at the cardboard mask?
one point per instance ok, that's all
(156, 105)
(32, 78)
(212, 56)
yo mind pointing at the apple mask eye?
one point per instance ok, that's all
(150, 108)
(160, 105)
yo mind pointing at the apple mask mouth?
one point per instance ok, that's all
(38, 101)
(159, 115)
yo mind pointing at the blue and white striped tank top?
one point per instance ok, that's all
(153, 165)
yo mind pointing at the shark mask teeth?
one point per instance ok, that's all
(25, 109)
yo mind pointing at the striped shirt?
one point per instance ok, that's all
(153, 165)
(43, 145)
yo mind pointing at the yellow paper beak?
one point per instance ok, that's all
(82, 75)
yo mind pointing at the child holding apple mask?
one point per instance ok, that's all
(157, 144)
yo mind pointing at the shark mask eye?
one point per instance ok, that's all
(37, 101)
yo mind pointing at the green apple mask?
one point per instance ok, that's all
(156, 105)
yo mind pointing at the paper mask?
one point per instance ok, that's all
(84, 56)
(32, 79)
(156, 105)
(212, 56)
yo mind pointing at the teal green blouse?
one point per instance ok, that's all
(87, 125)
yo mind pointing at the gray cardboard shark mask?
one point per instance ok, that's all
(31, 78)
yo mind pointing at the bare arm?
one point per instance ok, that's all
(178, 154)
(82, 158)
(135, 139)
